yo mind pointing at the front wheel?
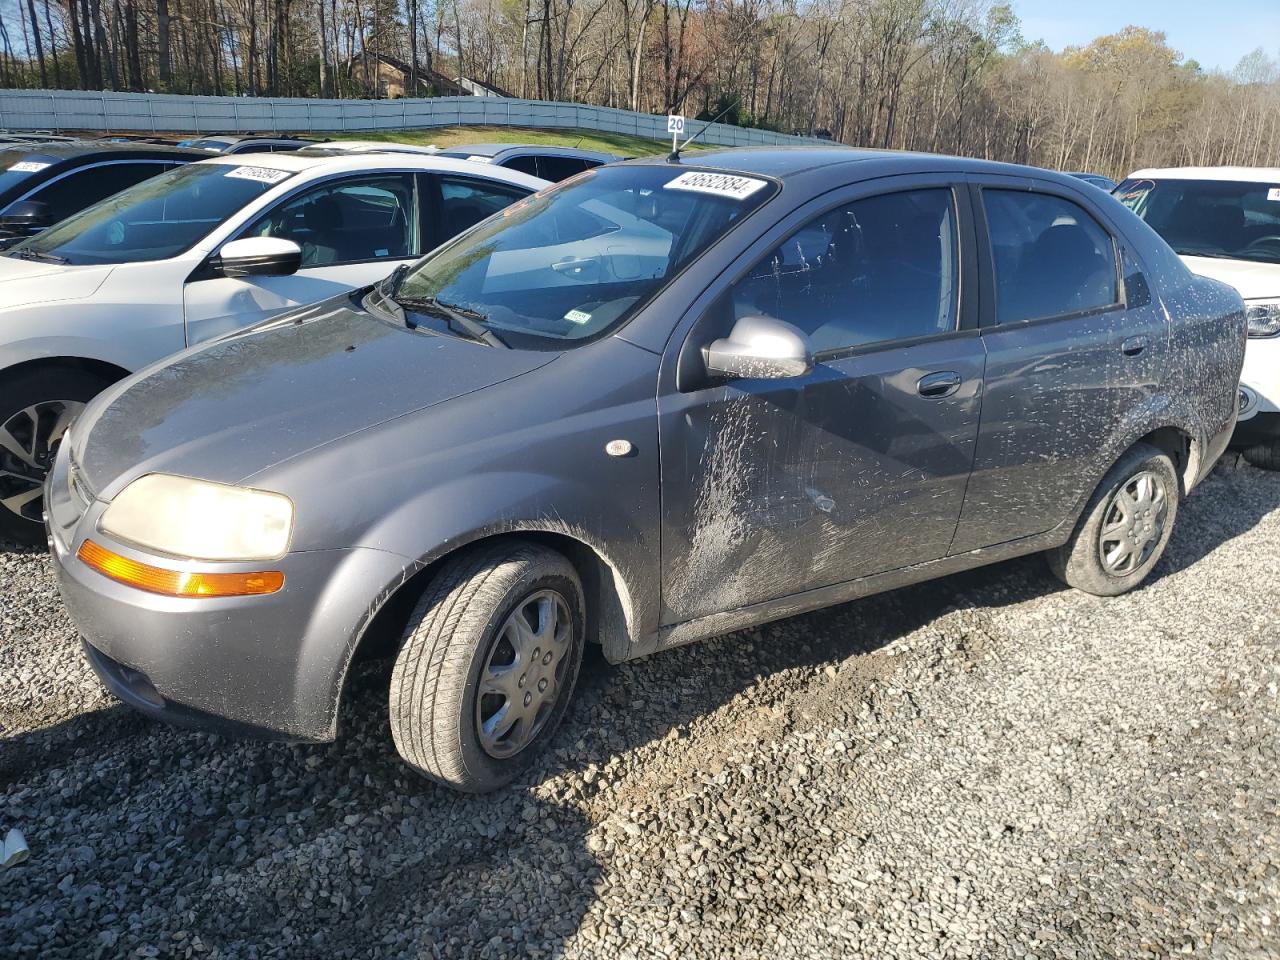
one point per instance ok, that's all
(1125, 526)
(487, 665)
(35, 410)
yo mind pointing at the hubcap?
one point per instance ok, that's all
(1133, 523)
(523, 674)
(28, 441)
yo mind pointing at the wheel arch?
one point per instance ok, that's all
(108, 371)
(608, 596)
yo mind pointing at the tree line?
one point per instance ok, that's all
(952, 76)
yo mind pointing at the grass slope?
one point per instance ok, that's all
(620, 143)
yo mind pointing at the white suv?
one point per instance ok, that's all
(197, 252)
(1225, 223)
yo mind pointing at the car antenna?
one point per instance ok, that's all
(674, 156)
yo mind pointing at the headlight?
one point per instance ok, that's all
(199, 520)
(1263, 317)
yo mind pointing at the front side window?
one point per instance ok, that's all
(1051, 257)
(83, 188)
(1210, 218)
(158, 218)
(575, 262)
(556, 169)
(348, 221)
(879, 269)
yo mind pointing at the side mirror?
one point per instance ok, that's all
(258, 257)
(760, 348)
(25, 218)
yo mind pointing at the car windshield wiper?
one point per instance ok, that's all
(466, 322)
(28, 254)
(1207, 254)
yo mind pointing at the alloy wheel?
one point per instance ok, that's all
(28, 441)
(1133, 524)
(523, 674)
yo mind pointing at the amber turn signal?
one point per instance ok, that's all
(177, 583)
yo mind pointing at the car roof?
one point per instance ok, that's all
(58, 152)
(1238, 174)
(540, 149)
(784, 162)
(323, 163)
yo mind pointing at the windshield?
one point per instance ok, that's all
(159, 218)
(1210, 218)
(575, 262)
(18, 165)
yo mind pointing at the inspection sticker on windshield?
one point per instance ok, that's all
(717, 184)
(1273, 193)
(28, 166)
(260, 174)
(577, 316)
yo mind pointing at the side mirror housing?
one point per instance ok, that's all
(760, 348)
(25, 218)
(258, 257)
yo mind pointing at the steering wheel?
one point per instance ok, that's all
(1271, 242)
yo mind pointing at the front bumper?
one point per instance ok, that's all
(1260, 378)
(267, 665)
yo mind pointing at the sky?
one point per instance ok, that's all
(1215, 33)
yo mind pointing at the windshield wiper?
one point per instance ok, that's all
(27, 254)
(1207, 254)
(466, 322)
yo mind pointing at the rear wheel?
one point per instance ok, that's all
(487, 665)
(1125, 526)
(35, 410)
(1265, 456)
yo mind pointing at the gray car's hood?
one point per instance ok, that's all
(235, 407)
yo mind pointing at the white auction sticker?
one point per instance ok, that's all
(718, 184)
(28, 166)
(476, 158)
(1272, 194)
(260, 174)
(577, 316)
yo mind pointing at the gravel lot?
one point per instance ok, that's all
(987, 766)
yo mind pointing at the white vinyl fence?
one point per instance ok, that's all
(165, 113)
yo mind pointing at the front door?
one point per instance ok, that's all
(353, 231)
(773, 487)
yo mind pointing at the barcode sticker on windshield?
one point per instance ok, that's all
(1273, 193)
(577, 316)
(28, 166)
(717, 184)
(260, 174)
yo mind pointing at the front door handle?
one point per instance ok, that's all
(1134, 346)
(936, 386)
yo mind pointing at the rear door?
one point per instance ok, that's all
(1075, 343)
(773, 487)
(353, 229)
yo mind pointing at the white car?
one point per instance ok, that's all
(195, 253)
(1225, 224)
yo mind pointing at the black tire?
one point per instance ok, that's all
(18, 394)
(464, 621)
(1264, 456)
(1080, 563)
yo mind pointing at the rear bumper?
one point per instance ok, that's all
(1260, 378)
(268, 666)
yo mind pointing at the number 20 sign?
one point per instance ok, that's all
(675, 124)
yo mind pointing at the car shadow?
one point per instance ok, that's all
(340, 849)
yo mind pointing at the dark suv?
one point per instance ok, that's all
(660, 402)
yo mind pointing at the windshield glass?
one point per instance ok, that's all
(576, 262)
(18, 165)
(1210, 218)
(159, 218)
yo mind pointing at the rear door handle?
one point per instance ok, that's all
(1134, 346)
(935, 386)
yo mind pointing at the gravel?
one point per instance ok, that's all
(986, 766)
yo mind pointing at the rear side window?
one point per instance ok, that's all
(879, 269)
(464, 203)
(556, 169)
(83, 188)
(1051, 257)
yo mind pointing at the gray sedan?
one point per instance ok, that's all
(660, 402)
